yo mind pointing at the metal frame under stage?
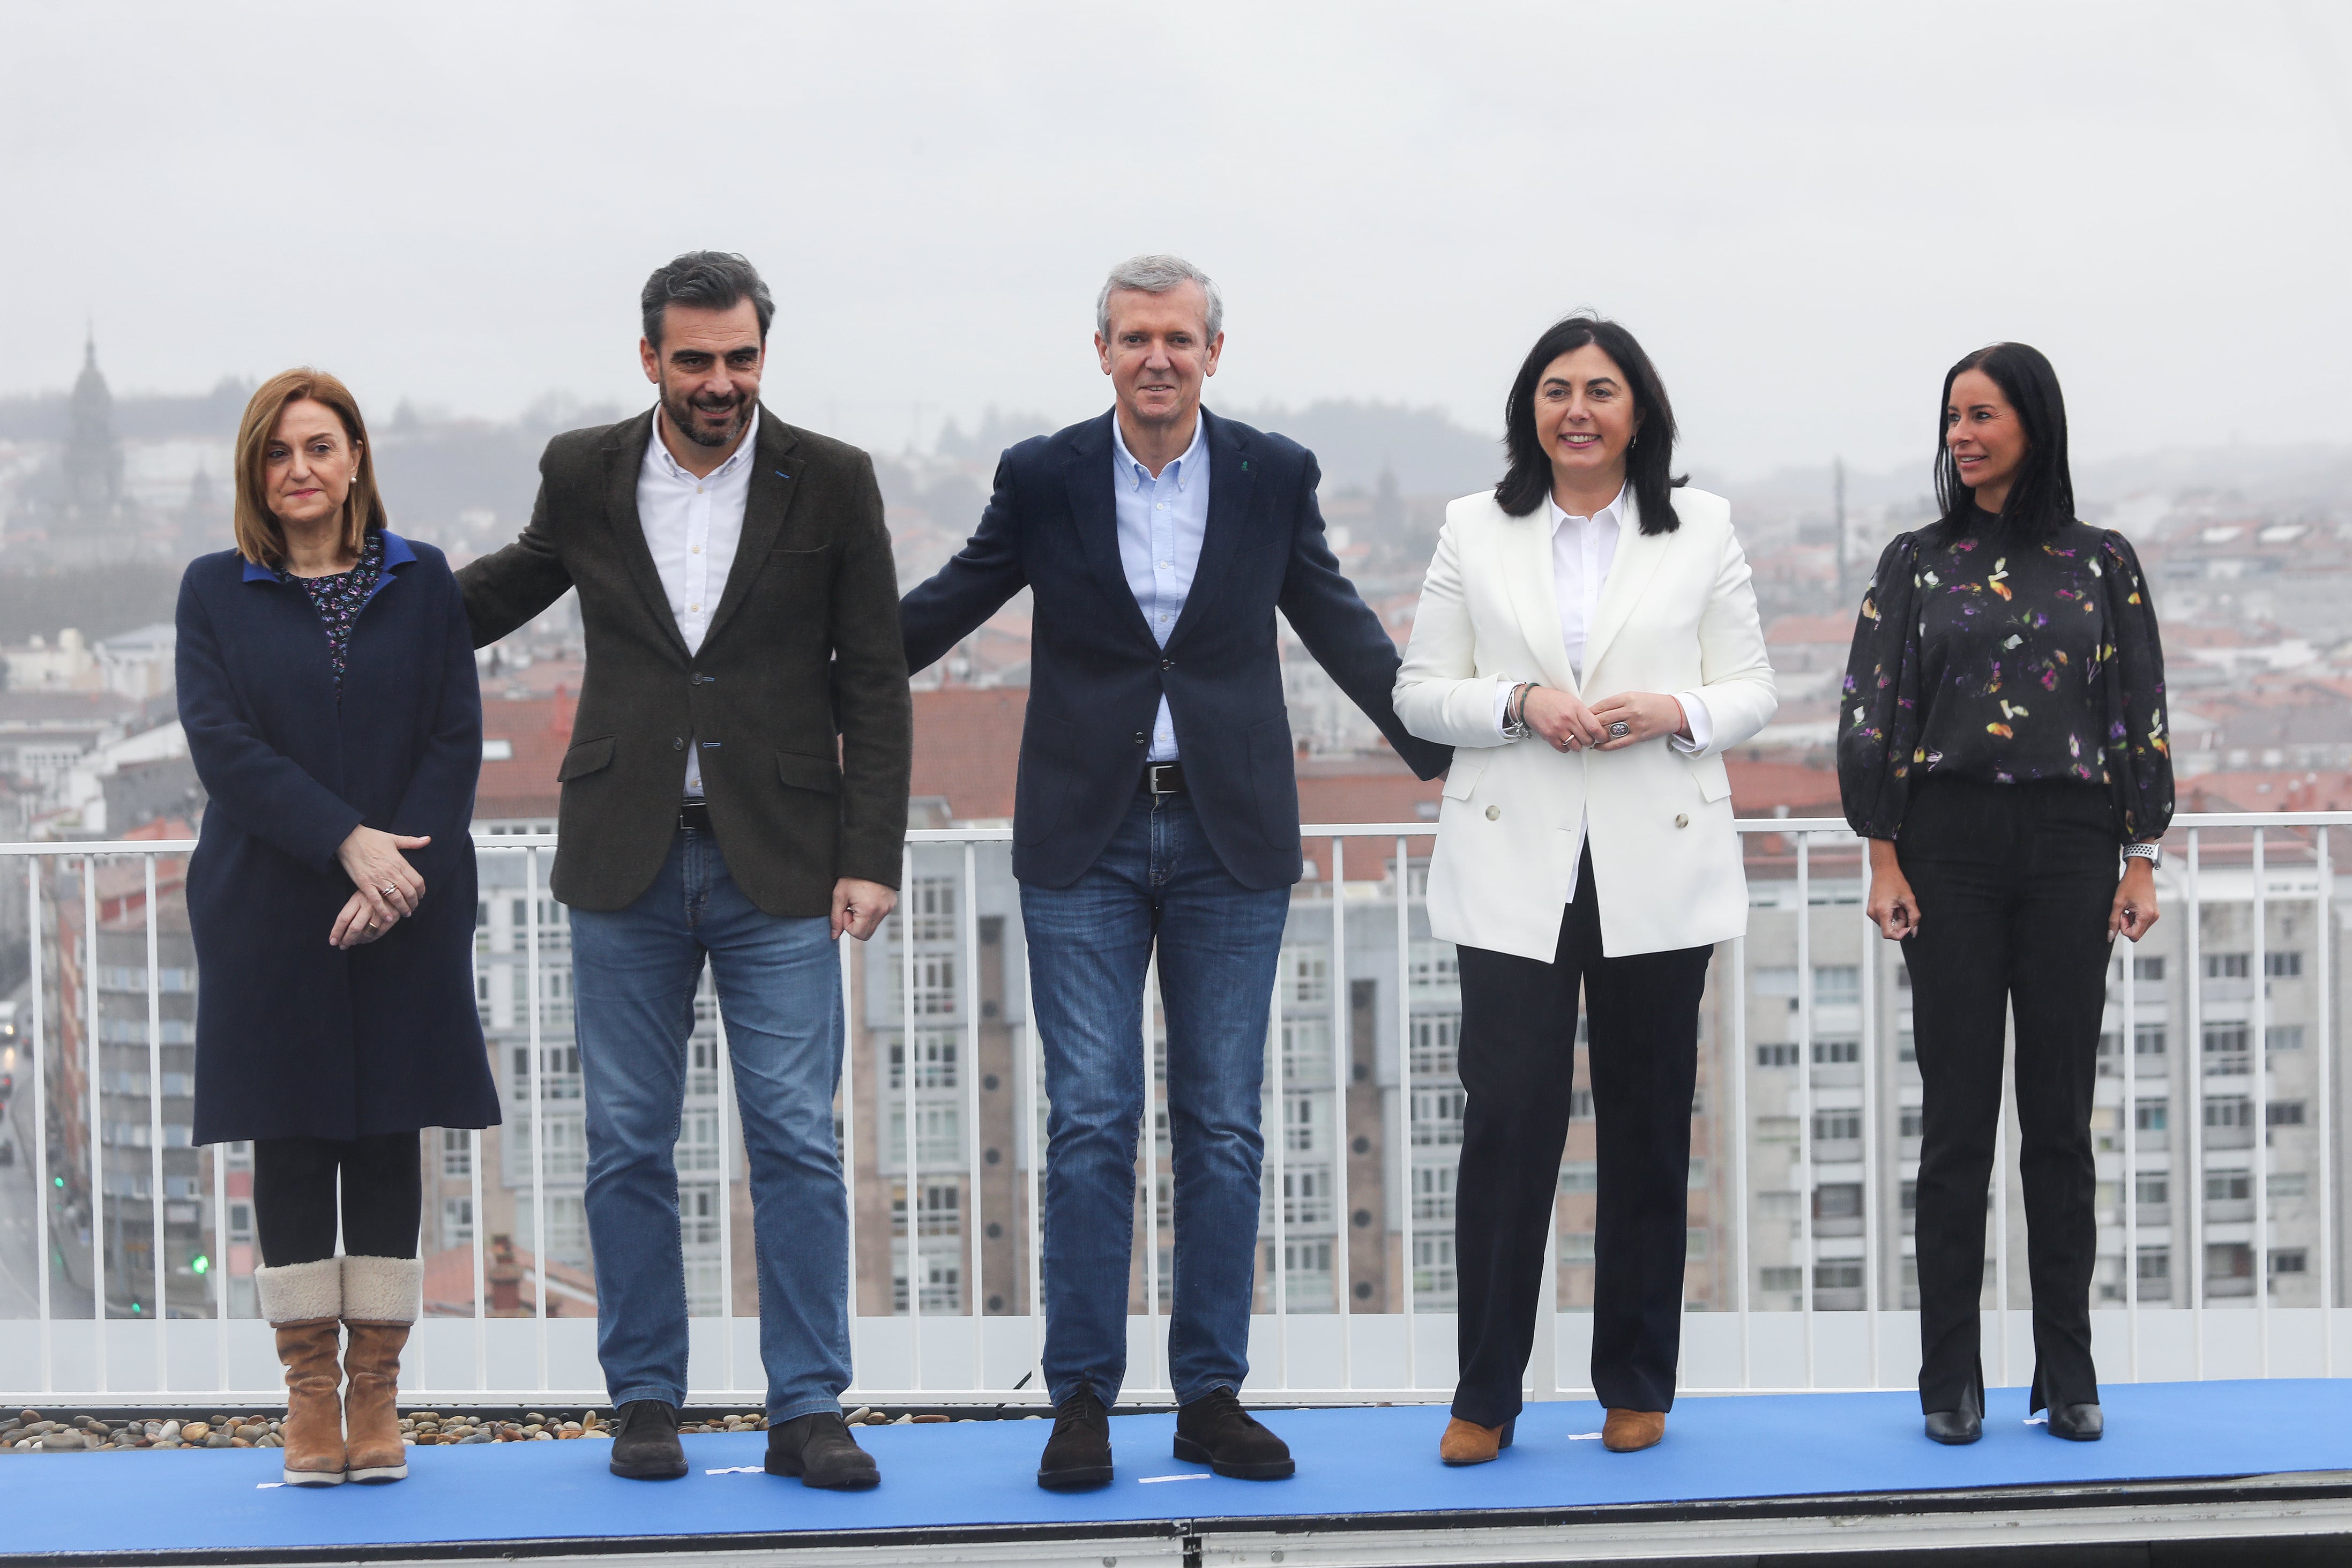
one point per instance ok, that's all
(2227, 1516)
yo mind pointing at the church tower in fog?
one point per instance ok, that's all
(93, 457)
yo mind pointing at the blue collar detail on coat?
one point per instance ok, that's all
(397, 553)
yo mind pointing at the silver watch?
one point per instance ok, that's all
(2151, 853)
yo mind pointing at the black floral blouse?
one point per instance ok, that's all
(1978, 658)
(338, 599)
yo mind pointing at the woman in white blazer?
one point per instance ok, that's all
(1588, 643)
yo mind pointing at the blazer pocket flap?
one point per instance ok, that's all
(1463, 775)
(801, 771)
(585, 757)
(1713, 778)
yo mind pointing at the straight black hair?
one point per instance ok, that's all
(1649, 460)
(2041, 497)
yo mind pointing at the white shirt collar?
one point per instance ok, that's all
(1129, 465)
(1613, 514)
(668, 464)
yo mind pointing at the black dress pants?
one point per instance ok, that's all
(2014, 883)
(295, 1199)
(1518, 1064)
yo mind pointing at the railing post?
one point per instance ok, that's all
(1406, 1269)
(906, 916)
(2194, 1210)
(156, 1271)
(1281, 1192)
(94, 1084)
(2259, 1046)
(1873, 1254)
(1342, 1052)
(1806, 1267)
(40, 1114)
(2323, 983)
(538, 1114)
(1032, 1077)
(2130, 1120)
(1740, 1197)
(723, 1081)
(975, 1291)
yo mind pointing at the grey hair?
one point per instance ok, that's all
(707, 280)
(1157, 275)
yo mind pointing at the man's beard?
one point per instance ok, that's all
(682, 412)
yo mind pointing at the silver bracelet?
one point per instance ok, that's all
(1514, 726)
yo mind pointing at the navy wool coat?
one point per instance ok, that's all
(295, 1037)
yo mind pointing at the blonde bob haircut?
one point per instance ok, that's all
(260, 537)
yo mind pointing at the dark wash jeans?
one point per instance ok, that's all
(1519, 1066)
(1157, 882)
(634, 974)
(2014, 882)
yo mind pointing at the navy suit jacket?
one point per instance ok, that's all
(1095, 674)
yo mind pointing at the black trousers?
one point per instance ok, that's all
(1518, 1063)
(295, 1200)
(2014, 883)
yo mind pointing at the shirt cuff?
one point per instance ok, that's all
(1702, 724)
(1503, 686)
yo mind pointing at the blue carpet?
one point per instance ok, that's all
(1349, 1461)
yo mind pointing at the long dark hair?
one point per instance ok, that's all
(1649, 460)
(2041, 497)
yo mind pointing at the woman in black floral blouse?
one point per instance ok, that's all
(2001, 737)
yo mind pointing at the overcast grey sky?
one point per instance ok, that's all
(1806, 211)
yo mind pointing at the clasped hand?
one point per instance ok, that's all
(386, 888)
(1567, 725)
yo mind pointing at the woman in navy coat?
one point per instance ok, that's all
(327, 686)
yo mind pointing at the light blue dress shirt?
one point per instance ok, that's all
(1161, 523)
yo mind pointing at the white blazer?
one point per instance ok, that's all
(1677, 614)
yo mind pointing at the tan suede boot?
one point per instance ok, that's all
(304, 1303)
(1631, 1431)
(1468, 1443)
(381, 1298)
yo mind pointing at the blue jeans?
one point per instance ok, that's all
(1089, 944)
(634, 973)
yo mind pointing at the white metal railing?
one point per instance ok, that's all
(87, 1215)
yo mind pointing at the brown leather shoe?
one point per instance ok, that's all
(1468, 1443)
(303, 1302)
(380, 1302)
(1631, 1431)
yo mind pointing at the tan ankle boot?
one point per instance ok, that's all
(381, 1298)
(304, 1303)
(1468, 1443)
(1631, 1431)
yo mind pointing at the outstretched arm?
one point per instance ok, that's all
(1344, 634)
(508, 589)
(971, 588)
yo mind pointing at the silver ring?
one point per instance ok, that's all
(388, 890)
(1620, 729)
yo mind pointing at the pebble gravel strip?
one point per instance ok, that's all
(30, 1431)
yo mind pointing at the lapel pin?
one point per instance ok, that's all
(781, 474)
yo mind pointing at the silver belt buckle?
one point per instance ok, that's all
(1152, 773)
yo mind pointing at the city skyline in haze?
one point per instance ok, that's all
(1805, 220)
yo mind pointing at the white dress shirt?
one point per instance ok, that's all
(692, 526)
(1582, 549)
(1161, 524)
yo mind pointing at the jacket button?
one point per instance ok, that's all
(1682, 821)
(1494, 814)
(1167, 664)
(1140, 737)
(678, 745)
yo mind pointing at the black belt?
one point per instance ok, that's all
(693, 815)
(1165, 778)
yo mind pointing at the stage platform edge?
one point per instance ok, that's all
(1778, 1478)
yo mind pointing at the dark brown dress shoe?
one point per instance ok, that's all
(1078, 1453)
(1216, 1431)
(818, 1448)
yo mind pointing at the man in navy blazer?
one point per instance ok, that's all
(1157, 805)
